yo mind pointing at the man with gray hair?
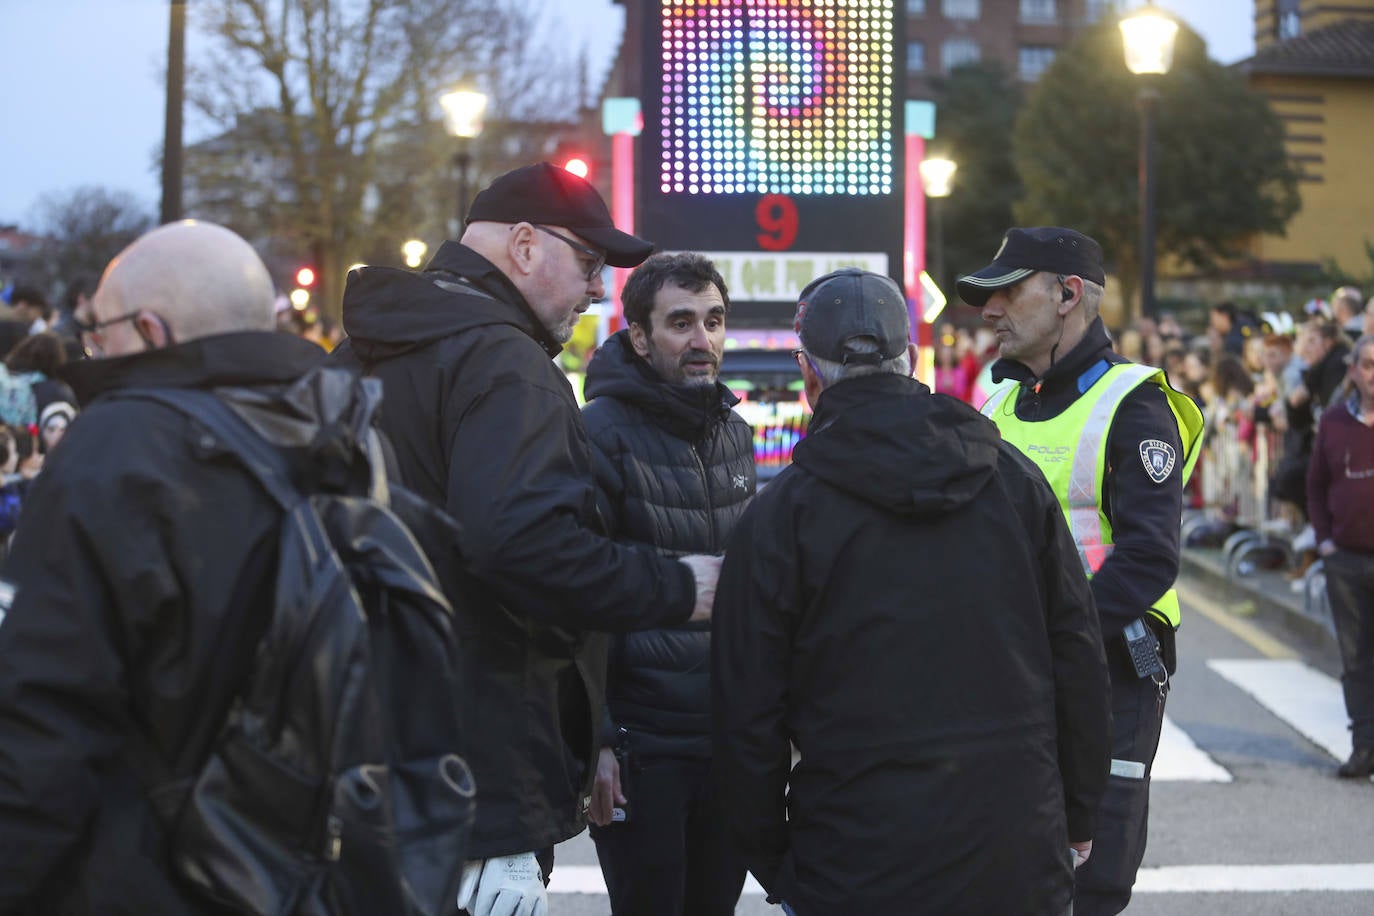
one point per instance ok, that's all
(133, 598)
(952, 724)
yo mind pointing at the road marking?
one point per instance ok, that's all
(1305, 698)
(1193, 879)
(1180, 760)
(1172, 879)
(587, 879)
(1244, 629)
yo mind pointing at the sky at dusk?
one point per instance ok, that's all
(82, 101)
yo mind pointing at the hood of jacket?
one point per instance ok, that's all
(388, 311)
(887, 440)
(686, 411)
(242, 358)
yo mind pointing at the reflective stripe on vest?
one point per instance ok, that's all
(1076, 468)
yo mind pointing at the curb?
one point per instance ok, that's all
(1263, 592)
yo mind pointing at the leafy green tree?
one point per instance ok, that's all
(1221, 170)
(332, 135)
(977, 106)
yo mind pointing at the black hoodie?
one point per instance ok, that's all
(675, 469)
(486, 426)
(904, 606)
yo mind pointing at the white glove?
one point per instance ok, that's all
(504, 886)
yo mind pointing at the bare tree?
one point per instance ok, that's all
(333, 137)
(85, 228)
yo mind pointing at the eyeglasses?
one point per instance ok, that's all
(92, 329)
(598, 258)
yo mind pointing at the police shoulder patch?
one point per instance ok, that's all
(1158, 458)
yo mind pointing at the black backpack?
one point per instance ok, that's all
(334, 786)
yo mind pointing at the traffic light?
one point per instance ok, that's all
(578, 165)
(305, 277)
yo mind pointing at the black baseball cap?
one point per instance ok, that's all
(548, 195)
(850, 303)
(1026, 251)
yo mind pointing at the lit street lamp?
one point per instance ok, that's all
(414, 252)
(463, 110)
(1148, 37)
(937, 177)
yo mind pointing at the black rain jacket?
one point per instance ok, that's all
(134, 596)
(904, 605)
(485, 425)
(675, 468)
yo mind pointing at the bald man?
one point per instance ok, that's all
(132, 600)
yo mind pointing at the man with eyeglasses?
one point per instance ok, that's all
(131, 597)
(485, 425)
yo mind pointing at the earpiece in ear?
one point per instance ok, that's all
(1066, 295)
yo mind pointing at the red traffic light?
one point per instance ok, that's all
(305, 277)
(578, 166)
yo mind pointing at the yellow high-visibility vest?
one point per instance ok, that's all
(1071, 450)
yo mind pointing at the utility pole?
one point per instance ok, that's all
(176, 91)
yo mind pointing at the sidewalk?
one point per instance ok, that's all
(1263, 592)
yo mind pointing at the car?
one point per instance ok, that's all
(769, 387)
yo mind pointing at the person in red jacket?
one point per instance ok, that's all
(1340, 502)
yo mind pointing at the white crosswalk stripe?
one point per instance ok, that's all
(1180, 760)
(1305, 698)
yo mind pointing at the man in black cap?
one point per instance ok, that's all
(951, 724)
(1117, 444)
(486, 426)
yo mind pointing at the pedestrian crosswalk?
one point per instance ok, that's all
(1306, 699)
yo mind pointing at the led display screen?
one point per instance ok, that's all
(773, 141)
(776, 97)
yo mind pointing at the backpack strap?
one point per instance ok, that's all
(263, 460)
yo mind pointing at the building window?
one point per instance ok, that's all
(915, 7)
(962, 9)
(1289, 23)
(1037, 11)
(959, 51)
(1033, 60)
(1094, 10)
(915, 57)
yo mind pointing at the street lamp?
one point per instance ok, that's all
(937, 177)
(463, 110)
(1148, 37)
(414, 252)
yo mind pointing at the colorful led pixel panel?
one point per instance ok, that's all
(777, 97)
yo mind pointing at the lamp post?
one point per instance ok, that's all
(414, 252)
(937, 177)
(463, 110)
(1148, 37)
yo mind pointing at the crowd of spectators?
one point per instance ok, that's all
(1254, 374)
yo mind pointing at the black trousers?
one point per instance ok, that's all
(1350, 590)
(673, 857)
(1102, 886)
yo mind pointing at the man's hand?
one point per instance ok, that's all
(1081, 851)
(705, 571)
(504, 886)
(606, 792)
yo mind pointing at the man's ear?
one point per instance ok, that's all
(639, 339)
(913, 353)
(153, 328)
(1074, 286)
(520, 247)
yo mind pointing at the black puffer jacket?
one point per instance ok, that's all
(134, 594)
(675, 467)
(486, 426)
